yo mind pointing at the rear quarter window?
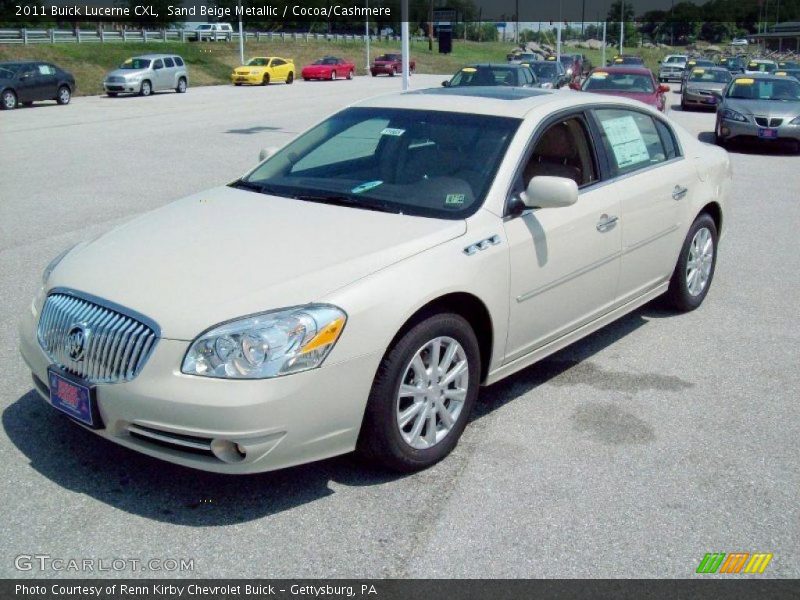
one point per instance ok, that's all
(178, 61)
(168, 62)
(631, 139)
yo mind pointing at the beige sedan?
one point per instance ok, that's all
(359, 286)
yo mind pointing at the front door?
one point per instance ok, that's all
(564, 262)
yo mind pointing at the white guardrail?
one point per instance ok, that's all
(58, 36)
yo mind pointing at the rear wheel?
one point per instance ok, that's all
(694, 272)
(146, 88)
(393, 72)
(333, 75)
(350, 74)
(64, 95)
(718, 139)
(422, 395)
(181, 89)
(265, 79)
(8, 100)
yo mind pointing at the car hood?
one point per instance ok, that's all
(226, 253)
(125, 72)
(711, 85)
(649, 99)
(773, 108)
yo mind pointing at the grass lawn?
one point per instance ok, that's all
(211, 63)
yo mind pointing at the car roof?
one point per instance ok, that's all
(759, 75)
(491, 100)
(154, 56)
(493, 66)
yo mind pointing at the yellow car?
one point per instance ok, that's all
(263, 69)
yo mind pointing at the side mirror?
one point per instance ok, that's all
(545, 191)
(267, 153)
(575, 86)
(445, 84)
(663, 89)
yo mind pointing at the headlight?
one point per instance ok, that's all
(48, 270)
(732, 115)
(267, 345)
(795, 121)
(569, 71)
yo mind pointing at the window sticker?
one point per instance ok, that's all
(469, 70)
(454, 200)
(599, 75)
(393, 132)
(745, 81)
(626, 141)
(43, 70)
(366, 186)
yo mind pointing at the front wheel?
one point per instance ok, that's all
(146, 88)
(64, 95)
(9, 100)
(290, 78)
(350, 74)
(265, 79)
(422, 396)
(694, 272)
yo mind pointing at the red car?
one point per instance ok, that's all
(630, 82)
(329, 67)
(390, 64)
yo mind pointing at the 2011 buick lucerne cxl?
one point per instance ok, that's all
(355, 290)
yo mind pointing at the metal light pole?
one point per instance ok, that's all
(604, 44)
(366, 32)
(621, 26)
(558, 30)
(405, 43)
(241, 36)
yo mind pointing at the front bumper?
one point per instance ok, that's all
(383, 70)
(127, 87)
(699, 99)
(670, 75)
(198, 422)
(249, 79)
(736, 129)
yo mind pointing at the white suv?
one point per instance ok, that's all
(213, 32)
(671, 68)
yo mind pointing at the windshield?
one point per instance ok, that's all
(527, 57)
(619, 82)
(480, 76)
(764, 89)
(675, 59)
(417, 162)
(326, 61)
(258, 62)
(789, 64)
(388, 57)
(710, 76)
(762, 67)
(135, 64)
(544, 70)
(8, 70)
(628, 60)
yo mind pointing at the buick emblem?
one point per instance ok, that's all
(77, 338)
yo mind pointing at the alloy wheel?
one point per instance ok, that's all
(701, 259)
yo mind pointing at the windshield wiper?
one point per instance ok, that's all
(349, 201)
(243, 184)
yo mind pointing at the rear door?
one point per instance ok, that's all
(171, 72)
(160, 75)
(47, 81)
(27, 83)
(651, 179)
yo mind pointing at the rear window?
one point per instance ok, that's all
(178, 61)
(169, 62)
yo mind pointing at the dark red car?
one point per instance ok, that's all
(630, 82)
(390, 64)
(329, 67)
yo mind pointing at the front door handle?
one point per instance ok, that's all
(606, 222)
(679, 192)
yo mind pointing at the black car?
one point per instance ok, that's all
(734, 64)
(492, 75)
(626, 59)
(29, 81)
(551, 73)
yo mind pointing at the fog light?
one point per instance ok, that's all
(725, 131)
(227, 451)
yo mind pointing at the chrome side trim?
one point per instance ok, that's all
(650, 240)
(568, 277)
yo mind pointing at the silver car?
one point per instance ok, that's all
(671, 68)
(703, 86)
(759, 106)
(146, 74)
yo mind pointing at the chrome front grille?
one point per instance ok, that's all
(93, 340)
(764, 122)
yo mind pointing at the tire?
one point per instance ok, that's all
(374, 74)
(393, 72)
(290, 78)
(350, 74)
(64, 95)
(237, 84)
(306, 79)
(182, 85)
(8, 100)
(683, 106)
(718, 139)
(111, 94)
(146, 89)
(265, 79)
(686, 292)
(419, 444)
(333, 75)
(27, 104)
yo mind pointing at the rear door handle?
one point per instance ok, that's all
(679, 192)
(606, 222)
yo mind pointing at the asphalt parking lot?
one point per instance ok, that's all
(630, 454)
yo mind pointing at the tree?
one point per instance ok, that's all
(615, 15)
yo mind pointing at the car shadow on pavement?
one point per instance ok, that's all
(79, 461)
(769, 148)
(84, 463)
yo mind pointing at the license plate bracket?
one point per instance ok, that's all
(74, 398)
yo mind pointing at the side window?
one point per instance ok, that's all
(46, 70)
(563, 150)
(631, 140)
(178, 61)
(277, 62)
(668, 139)
(169, 63)
(158, 64)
